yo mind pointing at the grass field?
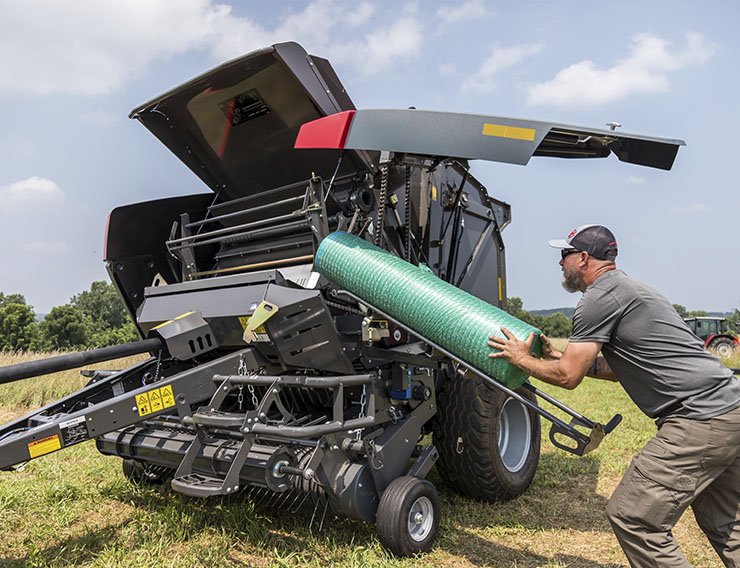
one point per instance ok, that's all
(75, 508)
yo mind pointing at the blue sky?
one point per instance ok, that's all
(71, 71)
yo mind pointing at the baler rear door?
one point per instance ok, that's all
(235, 126)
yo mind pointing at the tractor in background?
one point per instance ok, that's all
(716, 334)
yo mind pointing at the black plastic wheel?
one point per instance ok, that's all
(489, 443)
(722, 347)
(140, 474)
(408, 516)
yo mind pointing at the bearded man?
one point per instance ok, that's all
(694, 459)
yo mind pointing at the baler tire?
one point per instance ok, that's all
(466, 433)
(396, 522)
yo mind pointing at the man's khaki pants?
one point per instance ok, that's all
(688, 462)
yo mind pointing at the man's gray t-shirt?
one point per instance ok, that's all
(662, 366)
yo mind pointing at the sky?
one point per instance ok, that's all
(71, 71)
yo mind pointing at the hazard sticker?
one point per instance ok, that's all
(44, 446)
(155, 400)
(74, 431)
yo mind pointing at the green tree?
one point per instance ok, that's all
(102, 304)
(18, 327)
(13, 299)
(66, 327)
(557, 325)
(682, 311)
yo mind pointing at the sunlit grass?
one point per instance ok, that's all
(75, 508)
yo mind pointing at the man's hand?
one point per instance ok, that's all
(548, 350)
(511, 348)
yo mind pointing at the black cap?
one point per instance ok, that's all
(596, 240)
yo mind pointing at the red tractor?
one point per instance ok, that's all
(716, 333)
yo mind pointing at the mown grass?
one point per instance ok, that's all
(75, 508)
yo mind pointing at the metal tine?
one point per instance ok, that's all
(306, 496)
(313, 515)
(323, 516)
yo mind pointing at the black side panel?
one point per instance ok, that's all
(135, 243)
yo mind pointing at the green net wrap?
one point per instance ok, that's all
(446, 315)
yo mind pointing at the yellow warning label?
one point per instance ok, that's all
(502, 131)
(142, 402)
(44, 446)
(155, 400)
(434, 193)
(168, 399)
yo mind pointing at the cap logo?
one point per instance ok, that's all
(572, 233)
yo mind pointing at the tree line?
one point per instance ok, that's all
(97, 318)
(560, 325)
(93, 318)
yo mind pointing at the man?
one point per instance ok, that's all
(694, 459)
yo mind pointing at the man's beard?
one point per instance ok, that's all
(573, 281)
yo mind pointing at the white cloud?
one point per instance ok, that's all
(30, 194)
(48, 248)
(635, 180)
(466, 11)
(91, 47)
(501, 58)
(644, 71)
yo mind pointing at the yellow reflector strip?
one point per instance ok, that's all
(44, 446)
(500, 290)
(501, 131)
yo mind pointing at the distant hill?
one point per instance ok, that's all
(569, 312)
(565, 311)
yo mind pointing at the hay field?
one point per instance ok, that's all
(74, 508)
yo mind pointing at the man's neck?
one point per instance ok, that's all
(594, 274)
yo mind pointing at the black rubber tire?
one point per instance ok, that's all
(722, 347)
(466, 433)
(138, 474)
(403, 496)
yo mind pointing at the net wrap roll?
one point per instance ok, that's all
(453, 319)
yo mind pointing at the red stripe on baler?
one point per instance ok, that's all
(327, 132)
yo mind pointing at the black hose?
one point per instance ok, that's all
(30, 369)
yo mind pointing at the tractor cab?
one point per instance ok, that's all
(715, 333)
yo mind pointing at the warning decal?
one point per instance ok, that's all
(44, 446)
(155, 400)
(74, 431)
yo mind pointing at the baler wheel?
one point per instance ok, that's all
(489, 444)
(407, 519)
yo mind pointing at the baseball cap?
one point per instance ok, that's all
(596, 240)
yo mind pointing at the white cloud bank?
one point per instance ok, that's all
(500, 59)
(646, 70)
(30, 194)
(91, 47)
(452, 14)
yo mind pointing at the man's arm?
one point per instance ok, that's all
(565, 369)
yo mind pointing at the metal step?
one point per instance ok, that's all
(218, 419)
(198, 485)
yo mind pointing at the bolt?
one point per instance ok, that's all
(309, 473)
(418, 518)
(134, 408)
(228, 490)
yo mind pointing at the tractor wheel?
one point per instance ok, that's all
(489, 444)
(722, 347)
(408, 516)
(141, 474)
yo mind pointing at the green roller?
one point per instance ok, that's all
(444, 314)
